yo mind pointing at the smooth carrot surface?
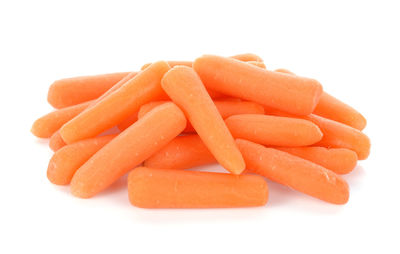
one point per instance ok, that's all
(130, 148)
(56, 142)
(66, 161)
(117, 106)
(247, 57)
(339, 160)
(185, 88)
(71, 91)
(166, 188)
(128, 121)
(295, 172)
(289, 93)
(274, 130)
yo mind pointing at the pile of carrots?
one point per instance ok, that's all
(176, 115)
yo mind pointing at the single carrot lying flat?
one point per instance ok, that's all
(185, 88)
(117, 106)
(130, 148)
(166, 188)
(56, 142)
(274, 130)
(66, 161)
(295, 172)
(297, 95)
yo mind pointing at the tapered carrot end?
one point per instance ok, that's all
(343, 193)
(80, 190)
(56, 142)
(53, 171)
(38, 129)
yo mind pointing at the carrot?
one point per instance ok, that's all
(166, 188)
(129, 121)
(258, 64)
(185, 88)
(339, 160)
(284, 71)
(171, 64)
(118, 106)
(297, 95)
(247, 57)
(66, 161)
(130, 148)
(56, 142)
(274, 130)
(71, 91)
(295, 172)
(48, 124)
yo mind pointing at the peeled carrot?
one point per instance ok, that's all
(295, 172)
(247, 57)
(297, 95)
(118, 106)
(258, 64)
(172, 64)
(66, 161)
(274, 130)
(56, 142)
(339, 160)
(185, 88)
(130, 148)
(129, 121)
(71, 91)
(166, 188)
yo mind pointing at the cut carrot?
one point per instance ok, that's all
(172, 64)
(130, 148)
(66, 161)
(166, 188)
(295, 172)
(118, 106)
(274, 130)
(185, 88)
(258, 64)
(297, 95)
(56, 142)
(247, 57)
(71, 91)
(339, 160)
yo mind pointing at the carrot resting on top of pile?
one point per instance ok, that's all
(175, 115)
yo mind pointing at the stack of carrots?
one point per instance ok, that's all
(176, 115)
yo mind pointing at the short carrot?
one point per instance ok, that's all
(130, 148)
(185, 88)
(166, 188)
(56, 142)
(295, 172)
(274, 130)
(247, 57)
(118, 106)
(71, 91)
(297, 95)
(66, 161)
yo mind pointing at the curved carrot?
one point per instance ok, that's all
(185, 88)
(247, 57)
(297, 95)
(295, 172)
(118, 106)
(166, 188)
(128, 149)
(56, 142)
(274, 130)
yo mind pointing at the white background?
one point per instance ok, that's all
(351, 47)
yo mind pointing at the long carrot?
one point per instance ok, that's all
(128, 149)
(166, 188)
(295, 172)
(66, 161)
(71, 91)
(56, 142)
(297, 95)
(274, 130)
(118, 106)
(185, 88)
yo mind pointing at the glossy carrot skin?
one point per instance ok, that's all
(56, 142)
(166, 188)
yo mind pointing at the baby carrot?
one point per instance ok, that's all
(281, 70)
(66, 161)
(258, 64)
(129, 121)
(295, 172)
(56, 142)
(247, 57)
(167, 188)
(294, 94)
(339, 160)
(185, 88)
(172, 64)
(71, 91)
(128, 149)
(118, 106)
(274, 130)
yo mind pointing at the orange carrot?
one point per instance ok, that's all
(295, 172)
(339, 160)
(185, 88)
(284, 71)
(297, 95)
(130, 148)
(71, 91)
(274, 130)
(129, 121)
(166, 188)
(172, 64)
(247, 57)
(45, 126)
(118, 106)
(258, 64)
(56, 142)
(66, 161)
